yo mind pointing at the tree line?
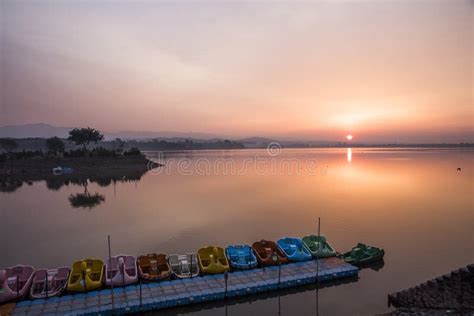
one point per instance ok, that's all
(79, 136)
(83, 137)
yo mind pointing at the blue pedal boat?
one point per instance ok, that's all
(293, 248)
(241, 257)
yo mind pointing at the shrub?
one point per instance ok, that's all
(134, 151)
(75, 153)
(55, 145)
(103, 152)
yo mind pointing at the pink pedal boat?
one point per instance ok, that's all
(48, 283)
(121, 270)
(15, 282)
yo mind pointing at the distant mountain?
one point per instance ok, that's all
(262, 142)
(33, 130)
(42, 130)
(256, 142)
(173, 136)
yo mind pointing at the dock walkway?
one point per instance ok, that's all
(168, 294)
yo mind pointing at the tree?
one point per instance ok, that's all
(55, 145)
(118, 145)
(84, 136)
(8, 144)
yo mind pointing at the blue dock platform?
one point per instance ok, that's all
(169, 294)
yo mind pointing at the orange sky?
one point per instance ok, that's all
(380, 70)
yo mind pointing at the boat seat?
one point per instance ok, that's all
(130, 271)
(174, 260)
(60, 278)
(12, 279)
(94, 276)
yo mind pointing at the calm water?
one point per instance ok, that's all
(413, 203)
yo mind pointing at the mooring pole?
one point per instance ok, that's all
(317, 302)
(123, 272)
(317, 253)
(279, 272)
(279, 304)
(17, 285)
(46, 285)
(317, 266)
(226, 277)
(110, 274)
(140, 286)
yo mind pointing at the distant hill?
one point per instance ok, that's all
(33, 130)
(256, 142)
(42, 130)
(263, 142)
(161, 135)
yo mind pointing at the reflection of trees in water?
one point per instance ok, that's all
(77, 200)
(10, 186)
(104, 182)
(86, 200)
(54, 184)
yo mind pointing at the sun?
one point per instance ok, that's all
(349, 137)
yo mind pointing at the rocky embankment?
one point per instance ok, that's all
(452, 292)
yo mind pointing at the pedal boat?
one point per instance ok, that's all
(268, 253)
(212, 260)
(293, 249)
(153, 267)
(86, 275)
(49, 282)
(241, 257)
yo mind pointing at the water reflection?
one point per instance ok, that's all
(9, 186)
(376, 266)
(412, 203)
(56, 183)
(349, 154)
(86, 200)
(274, 302)
(83, 199)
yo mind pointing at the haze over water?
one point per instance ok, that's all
(412, 202)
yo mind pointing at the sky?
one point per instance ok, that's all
(382, 71)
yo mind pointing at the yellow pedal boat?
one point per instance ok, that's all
(213, 260)
(86, 275)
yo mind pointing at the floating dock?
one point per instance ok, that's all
(167, 294)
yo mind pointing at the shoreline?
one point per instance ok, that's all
(38, 169)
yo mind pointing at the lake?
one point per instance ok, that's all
(412, 202)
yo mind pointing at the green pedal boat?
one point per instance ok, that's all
(363, 254)
(318, 246)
